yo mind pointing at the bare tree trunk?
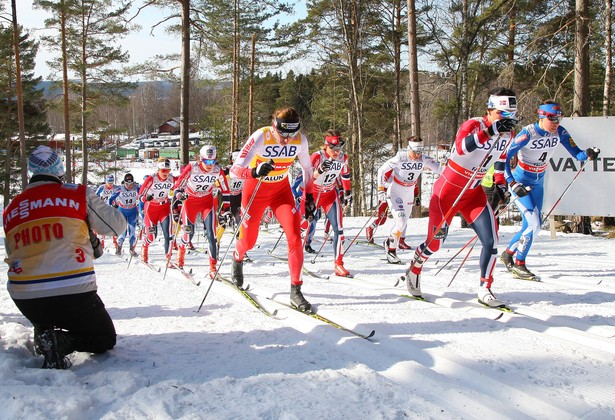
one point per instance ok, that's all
(184, 116)
(463, 65)
(415, 110)
(84, 91)
(235, 111)
(67, 142)
(251, 105)
(397, 64)
(608, 59)
(581, 61)
(350, 28)
(20, 116)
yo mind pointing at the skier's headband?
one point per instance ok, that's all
(507, 105)
(334, 142)
(416, 146)
(287, 128)
(552, 112)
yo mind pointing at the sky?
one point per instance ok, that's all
(141, 45)
(552, 359)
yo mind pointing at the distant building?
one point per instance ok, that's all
(171, 127)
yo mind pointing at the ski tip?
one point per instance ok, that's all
(370, 335)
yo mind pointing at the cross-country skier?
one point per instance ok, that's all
(264, 162)
(155, 194)
(480, 143)
(126, 199)
(105, 191)
(195, 186)
(399, 177)
(533, 146)
(331, 165)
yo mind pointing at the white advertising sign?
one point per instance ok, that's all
(592, 193)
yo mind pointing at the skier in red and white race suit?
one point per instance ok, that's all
(399, 177)
(480, 143)
(264, 162)
(155, 194)
(331, 165)
(195, 185)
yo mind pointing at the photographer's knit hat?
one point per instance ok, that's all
(45, 161)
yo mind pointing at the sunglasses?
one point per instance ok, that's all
(554, 118)
(165, 171)
(209, 161)
(287, 135)
(129, 181)
(334, 147)
(507, 114)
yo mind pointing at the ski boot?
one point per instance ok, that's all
(308, 248)
(213, 269)
(391, 253)
(403, 245)
(133, 251)
(237, 273)
(507, 260)
(340, 270)
(369, 234)
(486, 297)
(413, 281)
(50, 346)
(118, 249)
(297, 300)
(521, 272)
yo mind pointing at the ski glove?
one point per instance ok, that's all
(592, 153)
(347, 201)
(310, 207)
(417, 200)
(262, 169)
(503, 193)
(180, 195)
(325, 165)
(149, 197)
(518, 188)
(505, 125)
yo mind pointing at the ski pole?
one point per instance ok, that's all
(243, 216)
(565, 190)
(499, 212)
(324, 241)
(455, 256)
(276, 244)
(358, 233)
(462, 263)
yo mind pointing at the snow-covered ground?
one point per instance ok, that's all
(553, 358)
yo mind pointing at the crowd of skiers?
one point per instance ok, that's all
(58, 222)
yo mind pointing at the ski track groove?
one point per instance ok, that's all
(440, 363)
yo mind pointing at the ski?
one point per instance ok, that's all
(148, 265)
(315, 315)
(471, 308)
(187, 274)
(533, 278)
(248, 296)
(370, 244)
(313, 274)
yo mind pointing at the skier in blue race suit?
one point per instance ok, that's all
(533, 147)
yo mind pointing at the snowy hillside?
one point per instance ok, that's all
(553, 358)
